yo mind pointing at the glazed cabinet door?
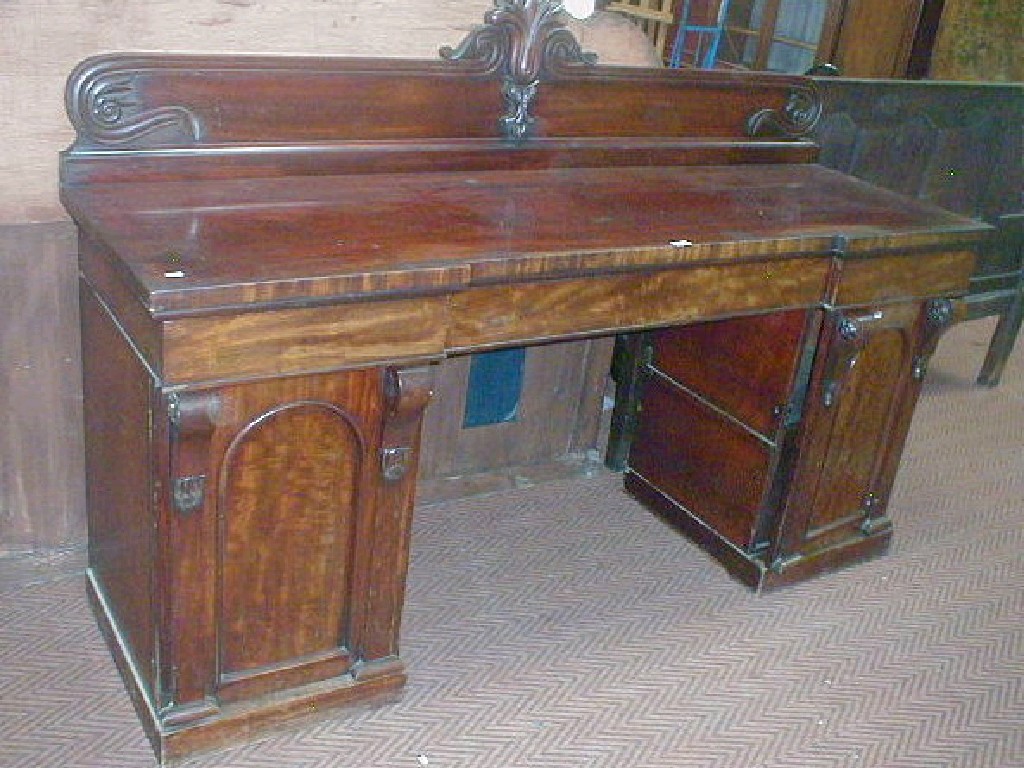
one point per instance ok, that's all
(286, 499)
(861, 396)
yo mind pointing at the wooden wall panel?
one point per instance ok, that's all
(876, 36)
(980, 41)
(558, 423)
(41, 476)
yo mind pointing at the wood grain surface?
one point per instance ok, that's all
(709, 464)
(47, 39)
(289, 341)
(543, 311)
(745, 365)
(41, 481)
(895, 278)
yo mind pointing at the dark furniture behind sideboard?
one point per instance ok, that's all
(958, 145)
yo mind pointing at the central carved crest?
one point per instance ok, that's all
(520, 40)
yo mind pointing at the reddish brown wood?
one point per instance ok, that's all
(420, 157)
(895, 278)
(407, 392)
(274, 586)
(155, 101)
(707, 463)
(262, 585)
(317, 240)
(263, 305)
(812, 495)
(866, 395)
(123, 544)
(745, 367)
(299, 340)
(866, 363)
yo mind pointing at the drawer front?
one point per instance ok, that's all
(905, 277)
(542, 311)
(292, 341)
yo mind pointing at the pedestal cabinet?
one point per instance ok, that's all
(779, 456)
(248, 538)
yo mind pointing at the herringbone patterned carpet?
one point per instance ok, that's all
(562, 627)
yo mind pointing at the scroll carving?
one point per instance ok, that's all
(797, 118)
(106, 108)
(521, 41)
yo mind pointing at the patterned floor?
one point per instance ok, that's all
(563, 627)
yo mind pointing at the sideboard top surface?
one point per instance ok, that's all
(192, 246)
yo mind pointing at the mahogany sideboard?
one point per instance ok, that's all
(276, 251)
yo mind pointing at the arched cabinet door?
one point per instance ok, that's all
(288, 527)
(866, 381)
(281, 510)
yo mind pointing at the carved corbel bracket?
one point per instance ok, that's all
(407, 391)
(193, 417)
(520, 40)
(850, 340)
(938, 318)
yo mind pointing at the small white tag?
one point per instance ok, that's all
(679, 243)
(176, 273)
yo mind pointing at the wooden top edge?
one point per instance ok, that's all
(234, 298)
(1011, 89)
(481, 144)
(106, 166)
(520, 268)
(541, 267)
(327, 239)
